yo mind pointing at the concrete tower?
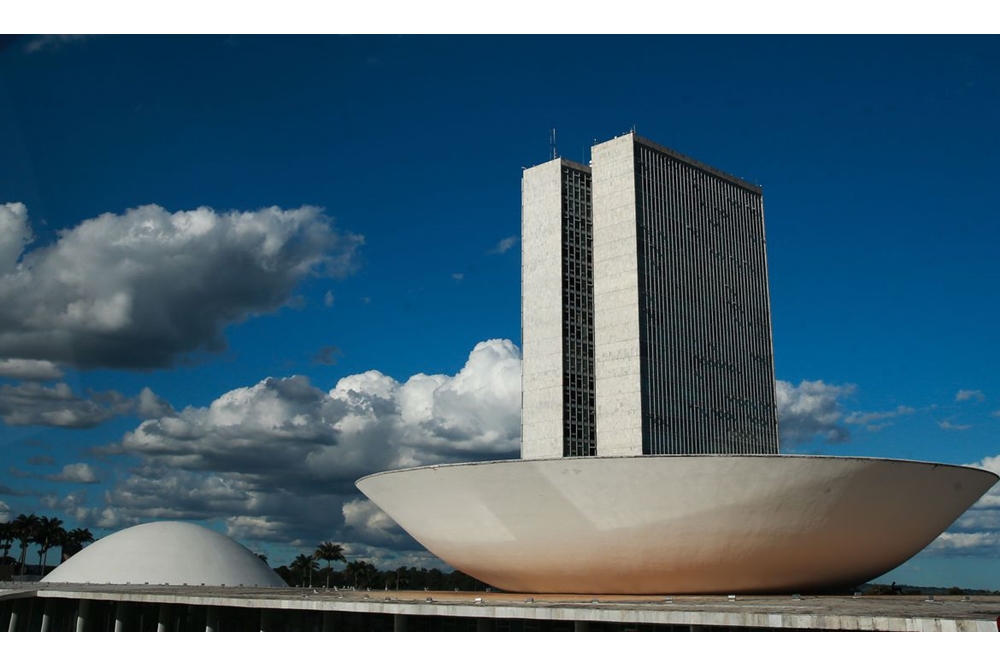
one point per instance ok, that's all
(646, 323)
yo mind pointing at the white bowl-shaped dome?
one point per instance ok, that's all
(677, 524)
(166, 552)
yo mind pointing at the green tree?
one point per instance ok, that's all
(304, 565)
(401, 576)
(75, 541)
(6, 539)
(361, 574)
(48, 534)
(329, 552)
(25, 527)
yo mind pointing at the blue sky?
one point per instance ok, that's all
(237, 273)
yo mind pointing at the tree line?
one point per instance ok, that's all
(305, 571)
(45, 532)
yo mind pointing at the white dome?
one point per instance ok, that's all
(166, 552)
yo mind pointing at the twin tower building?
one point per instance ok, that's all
(646, 324)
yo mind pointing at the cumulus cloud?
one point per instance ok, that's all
(977, 532)
(36, 404)
(504, 245)
(373, 526)
(15, 233)
(5, 513)
(278, 460)
(79, 473)
(809, 411)
(969, 394)
(29, 369)
(328, 299)
(150, 406)
(458, 276)
(145, 288)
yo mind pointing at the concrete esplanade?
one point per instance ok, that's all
(68, 607)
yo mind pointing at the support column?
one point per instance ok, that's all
(266, 620)
(163, 618)
(329, 621)
(47, 611)
(211, 619)
(121, 616)
(399, 623)
(580, 626)
(82, 612)
(15, 611)
(483, 625)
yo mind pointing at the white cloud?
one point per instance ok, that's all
(948, 426)
(150, 406)
(876, 421)
(966, 544)
(51, 42)
(15, 233)
(969, 394)
(80, 473)
(504, 245)
(809, 411)
(328, 299)
(29, 369)
(145, 288)
(977, 532)
(278, 460)
(35, 404)
(373, 526)
(5, 513)
(458, 276)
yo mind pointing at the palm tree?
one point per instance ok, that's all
(329, 552)
(401, 576)
(361, 573)
(50, 533)
(304, 564)
(75, 540)
(25, 527)
(6, 538)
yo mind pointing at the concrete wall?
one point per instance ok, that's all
(616, 300)
(541, 311)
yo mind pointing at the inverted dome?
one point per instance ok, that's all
(677, 524)
(166, 552)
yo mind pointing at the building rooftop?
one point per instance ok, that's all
(887, 613)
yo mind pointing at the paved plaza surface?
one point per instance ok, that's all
(806, 612)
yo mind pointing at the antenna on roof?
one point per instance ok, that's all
(552, 145)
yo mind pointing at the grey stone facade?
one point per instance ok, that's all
(646, 275)
(557, 288)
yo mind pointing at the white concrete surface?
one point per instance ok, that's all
(166, 552)
(541, 311)
(677, 524)
(617, 358)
